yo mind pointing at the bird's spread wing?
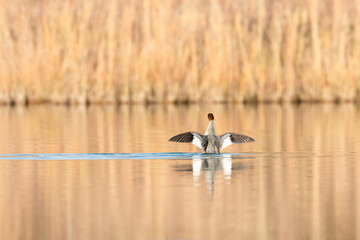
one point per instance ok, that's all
(204, 142)
(229, 138)
(189, 137)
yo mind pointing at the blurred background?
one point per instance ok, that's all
(146, 51)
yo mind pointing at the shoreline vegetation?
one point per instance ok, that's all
(150, 51)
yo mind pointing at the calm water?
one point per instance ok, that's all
(106, 172)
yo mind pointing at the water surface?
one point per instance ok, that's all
(107, 172)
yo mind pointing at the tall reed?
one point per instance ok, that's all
(76, 51)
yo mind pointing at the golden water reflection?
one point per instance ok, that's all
(301, 180)
(209, 166)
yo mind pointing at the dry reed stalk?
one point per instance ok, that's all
(179, 51)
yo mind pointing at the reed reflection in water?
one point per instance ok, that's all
(299, 181)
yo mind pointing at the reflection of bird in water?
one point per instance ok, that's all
(210, 142)
(210, 165)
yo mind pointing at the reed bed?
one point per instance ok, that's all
(77, 51)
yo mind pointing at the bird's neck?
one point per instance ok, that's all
(211, 129)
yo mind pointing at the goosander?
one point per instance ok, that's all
(210, 142)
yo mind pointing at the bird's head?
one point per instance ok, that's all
(210, 116)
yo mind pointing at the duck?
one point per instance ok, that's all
(210, 142)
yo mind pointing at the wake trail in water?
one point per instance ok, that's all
(122, 156)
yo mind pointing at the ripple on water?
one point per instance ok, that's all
(101, 156)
